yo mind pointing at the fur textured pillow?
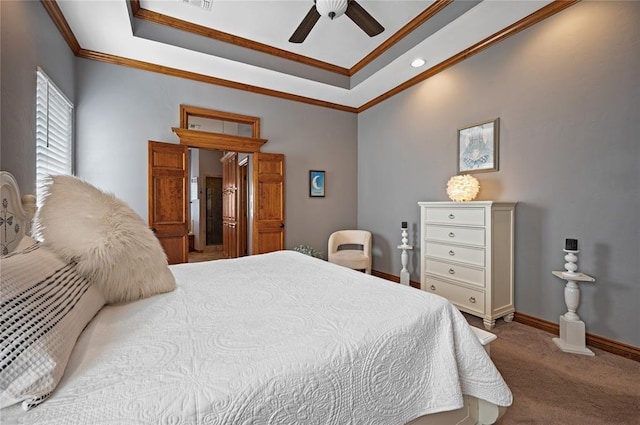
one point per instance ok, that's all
(111, 244)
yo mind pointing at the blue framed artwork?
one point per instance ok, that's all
(478, 147)
(316, 184)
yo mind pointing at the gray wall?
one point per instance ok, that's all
(28, 39)
(119, 109)
(567, 92)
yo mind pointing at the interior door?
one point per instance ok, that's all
(243, 190)
(168, 196)
(230, 205)
(268, 201)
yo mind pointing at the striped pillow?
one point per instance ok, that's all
(44, 306)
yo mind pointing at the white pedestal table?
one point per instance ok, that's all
(572, 330)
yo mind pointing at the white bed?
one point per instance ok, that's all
(279, 338)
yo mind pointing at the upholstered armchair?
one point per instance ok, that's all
(351, 248)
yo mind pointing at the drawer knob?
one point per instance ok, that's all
(452, 235)
(451, 271)
(433, 288)
(473, 300)
(451, 253)
(451, 216)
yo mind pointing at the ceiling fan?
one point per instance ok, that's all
(334, 9)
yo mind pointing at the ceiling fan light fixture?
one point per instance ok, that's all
(334, 9)
(331, 8)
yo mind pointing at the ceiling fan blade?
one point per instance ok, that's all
(362, 19)
(305, 26)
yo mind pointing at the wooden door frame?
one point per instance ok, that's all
(243, 208)
(218, 141)
(186, 111)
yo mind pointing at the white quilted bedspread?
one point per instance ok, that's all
(279, 338)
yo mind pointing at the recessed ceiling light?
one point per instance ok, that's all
(417, 63)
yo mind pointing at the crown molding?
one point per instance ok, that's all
(532, 19)
(536, 17)
(52, 8)
(174, 72)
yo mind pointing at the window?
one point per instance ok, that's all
(54, 130)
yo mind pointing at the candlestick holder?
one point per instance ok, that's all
(571, 259)
(404, 257)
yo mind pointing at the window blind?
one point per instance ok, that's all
(54, 132)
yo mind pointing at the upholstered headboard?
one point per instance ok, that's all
(16, 213)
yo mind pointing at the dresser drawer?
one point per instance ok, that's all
(462, 254)
(465, 298)
(465, 274)
(463, 235)
(470, 216)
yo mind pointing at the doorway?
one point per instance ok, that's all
(213, 212)
(235, 137)
(265, 192)
(218, 204)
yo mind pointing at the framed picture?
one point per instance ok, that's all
(478, 147)
(316, 184)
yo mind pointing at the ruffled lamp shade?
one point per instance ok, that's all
(463, 188)
(331, 8)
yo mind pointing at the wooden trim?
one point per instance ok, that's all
(534, 322)
(146, 66)
(426, 14)
(228, 155)
(515, 28)
(135, 6)
(52, 8)
(186, 111)
(393, 278)
(224, 37)
(534, 18)
(218, 141)
(179, 24)
(614, 347)
(218, 115)
(595, 341)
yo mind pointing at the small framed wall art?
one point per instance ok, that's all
(316, 184)
(478, 147)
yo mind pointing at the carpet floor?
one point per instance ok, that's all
(551, 387)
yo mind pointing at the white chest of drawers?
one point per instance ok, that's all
(467, 256)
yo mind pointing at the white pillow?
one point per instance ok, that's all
(25, 242)
(45, 307)
(111, 244)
